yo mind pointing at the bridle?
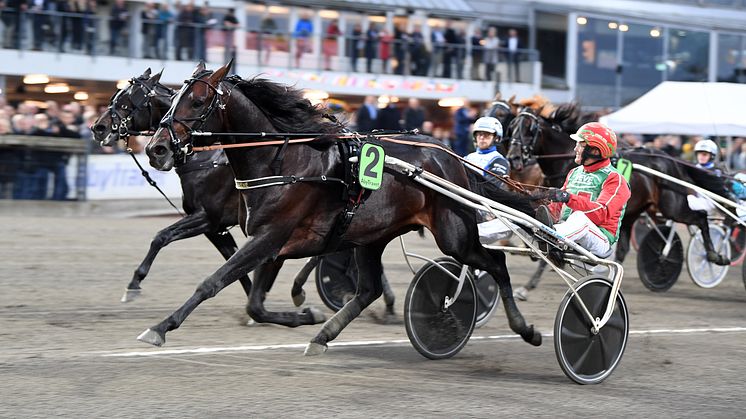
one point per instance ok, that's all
(184, 150)
(527, 148)
(119, 123)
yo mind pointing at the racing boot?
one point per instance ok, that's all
(717, 259)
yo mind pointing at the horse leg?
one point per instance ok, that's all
(227, 246)
(490, 260)
(625, 234)
(297, 293)
(260, 249)
(683, 214)
(264, 277)
(190, 226)
(521, 293)
(388, 295)
(369, 288)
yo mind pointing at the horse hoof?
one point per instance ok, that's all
(521, 293)
(152, 337)
(130, 294)
(317, 315)
(300, 298)
(314, 349)
(717, 259)
(534, 336)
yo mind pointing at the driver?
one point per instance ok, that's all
(591, 203)
(486, 132)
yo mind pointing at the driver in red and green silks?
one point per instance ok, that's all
(590, 205)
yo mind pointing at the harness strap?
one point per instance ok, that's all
(152, 183)
(264, 182)
(276, 164)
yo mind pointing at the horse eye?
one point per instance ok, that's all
(124, 106)
(197, 104)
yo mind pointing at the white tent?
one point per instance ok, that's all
(685, 108)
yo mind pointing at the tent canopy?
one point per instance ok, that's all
(686, 108)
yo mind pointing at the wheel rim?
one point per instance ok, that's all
(701, 271)
(437, 332)
(656, 272)
(488, 297)
(586, 357)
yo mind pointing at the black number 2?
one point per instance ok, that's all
(373, 162)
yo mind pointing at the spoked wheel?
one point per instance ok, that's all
(435, 331)
(639, 230)
(488, 297)
(658, 272)
(584, 356)
(703, 272)
(336, 279)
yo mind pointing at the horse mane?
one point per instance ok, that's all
(708, 180)
(539, 103)
(285, 106)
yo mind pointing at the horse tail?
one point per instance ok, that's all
(478, 184)
(708, 180)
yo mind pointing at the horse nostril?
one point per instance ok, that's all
(160, 150)
(99, 129)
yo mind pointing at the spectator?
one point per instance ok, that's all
(230, 23)
(39, 20)
(389, 118)
(117, 22)
(513, 56)
(165, 17)
(367, 115)
(203, 20)
(477, 52)
(491, 45)
(460, 53)
(400, 48)
(414, 116)
(463, 118)
(268, 29)
(438, 40)
(90, 21)
(357, 44)
(185, 31)
(149, 17)
(384, 52)
(450, 49)
(302, 34)
(418, 52)
(371, 47)
(330, 44)
(12, 20)
(427, 129)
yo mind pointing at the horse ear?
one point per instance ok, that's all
(200, 68)
(498, 96)
(156, 78)
(146, 73)
(220, 74)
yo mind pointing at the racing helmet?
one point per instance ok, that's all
(488, 124)
(598, 135)
(708, 146)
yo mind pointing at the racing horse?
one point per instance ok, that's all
(296, 214)
(210, 201)
(533, 135)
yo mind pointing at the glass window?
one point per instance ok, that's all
(642, 59)
(731, 58)
(597, 61)
(688, 55)
(551, 41)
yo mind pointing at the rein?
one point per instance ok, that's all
(382, 136)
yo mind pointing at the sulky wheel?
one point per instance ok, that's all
(336, 279)
(587, 357)
(437, 332)
(488, 297)
(659, 273)
(703, 272)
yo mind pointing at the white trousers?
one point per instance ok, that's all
(493, 230)
(579, 229)
(700, 202)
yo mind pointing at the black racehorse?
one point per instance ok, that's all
(547, 140)
(298, 215)
(209, 197)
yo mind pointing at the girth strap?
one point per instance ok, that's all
(264, 182)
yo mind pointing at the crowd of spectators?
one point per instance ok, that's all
(184, 29)
(34, 173)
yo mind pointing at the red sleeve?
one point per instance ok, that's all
(614, 194)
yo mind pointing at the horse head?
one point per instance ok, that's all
(523, 132)
(504, 111)
(135, 108)
(198, 106)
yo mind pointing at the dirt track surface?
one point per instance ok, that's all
(68, 348)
